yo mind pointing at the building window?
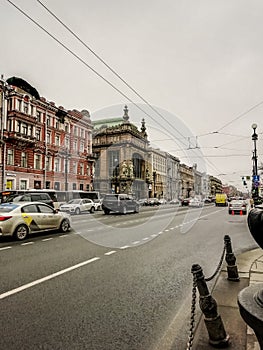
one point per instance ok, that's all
(19, 104)
(25, 108)
(81, 146)
(67, 142)
(57, 165)
(48, 138)
(81, 169)
(18, 126)
(113, 157)
(39, 116)
(82, 133)
(24, 160)
(66, 127)
(74, 168)
(30, 130)
(10, 157)
(75, 144)
(37, 164)
(48, 163)
(75, 131)
(57, 140)
(57, 186)
(24, 129)
(48, 120)
(23, 184)
(57, 124)
(74, 186)
(38, 134)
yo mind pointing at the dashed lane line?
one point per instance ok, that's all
(110, 252)
(46, 278)
(27, 243)
(4, 248)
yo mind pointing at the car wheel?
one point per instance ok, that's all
(21, 232)
(124, 210)
(106, 211)
(137, 208)
(77, 211)
(92, 209)
(64, 226)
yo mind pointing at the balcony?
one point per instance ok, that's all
(19, 139)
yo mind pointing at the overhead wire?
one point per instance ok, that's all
(87, 65)
(99, 75)
(108, 66)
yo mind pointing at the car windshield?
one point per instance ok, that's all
(74, 201)
(6, 207)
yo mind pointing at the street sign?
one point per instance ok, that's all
(255, 178)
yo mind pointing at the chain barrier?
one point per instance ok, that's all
(193, 307)
(218, 267)
(192, 319)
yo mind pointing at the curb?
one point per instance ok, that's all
(225, 292)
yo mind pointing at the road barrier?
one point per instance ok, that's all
(217, 335)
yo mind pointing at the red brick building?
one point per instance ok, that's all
(42, 145)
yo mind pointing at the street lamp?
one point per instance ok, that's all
(255, 182)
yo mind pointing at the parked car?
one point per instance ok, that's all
(120, 203)
(98, 204)
(174, 201)
(195, 202)
(153, 201)
(237, 206)
(185, 201)
(207, 200)
(31, 197)
(78, 206)
(18, 219)
(162, 201)
(143, 201)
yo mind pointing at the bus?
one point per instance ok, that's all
(58, 197)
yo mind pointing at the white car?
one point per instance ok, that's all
(98, 204)
(78, 206)
(23, 218)
(195, 202)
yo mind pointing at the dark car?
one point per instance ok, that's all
(31, 197)
(120, 203)
(185, 201)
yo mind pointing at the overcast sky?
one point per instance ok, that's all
(199, 64)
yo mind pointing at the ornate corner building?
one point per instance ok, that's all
(42, 145)
(122, 158)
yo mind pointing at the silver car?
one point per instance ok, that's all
(23, 218)
(78, 206)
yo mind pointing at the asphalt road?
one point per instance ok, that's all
(114, 282)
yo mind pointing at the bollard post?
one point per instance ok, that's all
(232, 272)
(218, 337)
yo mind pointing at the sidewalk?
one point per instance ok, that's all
(250, 270)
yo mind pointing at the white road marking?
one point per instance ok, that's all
(27, 243)
(125, 247)
(5, 248)
(44, 279)
(145, 239)
(63, 236)
(111, 252)
(135, 242)
(46, 239)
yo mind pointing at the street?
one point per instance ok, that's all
(113, 282)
